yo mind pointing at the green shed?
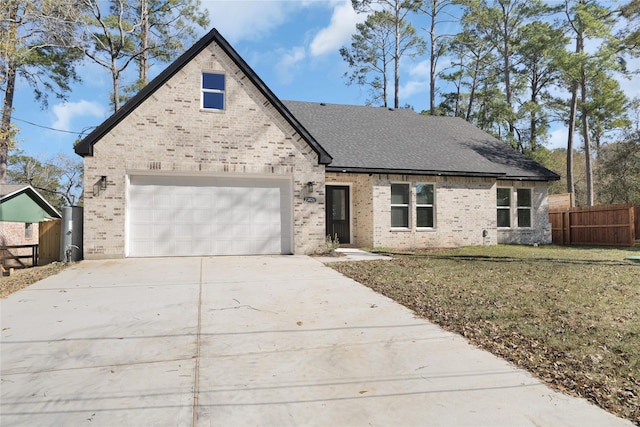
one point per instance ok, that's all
(22, 203)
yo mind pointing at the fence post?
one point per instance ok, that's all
(632, 225)
(566, 231)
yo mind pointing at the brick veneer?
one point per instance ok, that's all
(169, 134)
(464, 209)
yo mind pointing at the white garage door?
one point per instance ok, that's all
(188, 216)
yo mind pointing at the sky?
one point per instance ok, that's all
(293, 46)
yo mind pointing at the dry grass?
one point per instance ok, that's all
(21, 278)
(571, 316)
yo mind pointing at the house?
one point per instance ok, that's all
(206, 160)
(22, 209)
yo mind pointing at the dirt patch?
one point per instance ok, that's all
(21, 278)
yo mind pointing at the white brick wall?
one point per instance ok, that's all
(169, 134)
(464, 209)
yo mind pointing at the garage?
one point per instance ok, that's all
(197, 216)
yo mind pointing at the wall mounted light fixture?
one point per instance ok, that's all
(310, 187)
(103, 182)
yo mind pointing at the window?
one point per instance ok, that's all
(400, 205)
(213, 91)
(524, 207)
(504, 207)
(424, 205)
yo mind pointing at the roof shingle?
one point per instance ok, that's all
(385, 140)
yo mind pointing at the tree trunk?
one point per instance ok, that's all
(586, 138)
(396, 59)
(433, 60)
(533, 124)
(6, 133)
(143, 62)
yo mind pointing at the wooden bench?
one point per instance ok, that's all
(6, 254)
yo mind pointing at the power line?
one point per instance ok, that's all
(49, 128)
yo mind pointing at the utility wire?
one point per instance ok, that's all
(47, 127)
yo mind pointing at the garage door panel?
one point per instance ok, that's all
(179, 216)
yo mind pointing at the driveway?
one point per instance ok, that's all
(227, 341)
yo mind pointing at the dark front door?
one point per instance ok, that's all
(337, 212)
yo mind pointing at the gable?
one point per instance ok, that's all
(26, 205)
(86, 146)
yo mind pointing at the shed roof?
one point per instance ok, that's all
(22, 203)
(383, 140)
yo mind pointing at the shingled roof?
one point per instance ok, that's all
(382, 140)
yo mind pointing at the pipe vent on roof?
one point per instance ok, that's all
(390, 109)
(323, 104)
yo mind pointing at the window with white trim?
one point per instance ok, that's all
(400, 205)
(425, 195)
(524, 207)
(504, 207)
(213, 90)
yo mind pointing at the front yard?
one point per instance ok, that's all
(571, 316)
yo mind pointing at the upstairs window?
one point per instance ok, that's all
(524, 207)
(504, 207)
(213, 89)
(424, 205)
(400, 205)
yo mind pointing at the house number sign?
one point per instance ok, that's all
(309, 199)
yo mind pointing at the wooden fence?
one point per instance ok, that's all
(609, 225)
(49, 241)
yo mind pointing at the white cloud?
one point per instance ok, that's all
(421, 69)
(342, 26)
(288, 62)
(558, 138)
(413, 87)
(248, 19)
(67, 112)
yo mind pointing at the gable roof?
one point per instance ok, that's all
(382, 140)
(85, 147)
(22, 203)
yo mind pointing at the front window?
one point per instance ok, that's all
(524, 207)
(213, 89)
(424, 205)
(504, 207)
(400, 205)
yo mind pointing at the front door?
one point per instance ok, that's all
(337, 212)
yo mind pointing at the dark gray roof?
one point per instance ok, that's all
(376, 139)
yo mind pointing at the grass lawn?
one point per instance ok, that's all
(569, 315)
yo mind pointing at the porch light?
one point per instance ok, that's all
(310, 187)
(103, 182)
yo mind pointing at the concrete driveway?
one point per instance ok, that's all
(227, 341)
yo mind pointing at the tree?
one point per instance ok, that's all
(498, 24)
(137, 31)
(370, 54)
(435, 9)
(586, 19)
(35, 46)
(59, 180)
(619, 171)
(538, 45)
(405, 42)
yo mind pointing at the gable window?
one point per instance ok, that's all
(424, 205)
(400, 205)
(524, 207)
(213, 89)
(504, 207)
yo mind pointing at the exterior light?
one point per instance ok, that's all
(103, 182)
(310, 187)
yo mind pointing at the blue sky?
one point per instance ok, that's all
(292, 45)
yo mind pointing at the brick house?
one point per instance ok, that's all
(206, 160)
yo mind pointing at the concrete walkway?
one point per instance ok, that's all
(237, 341)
